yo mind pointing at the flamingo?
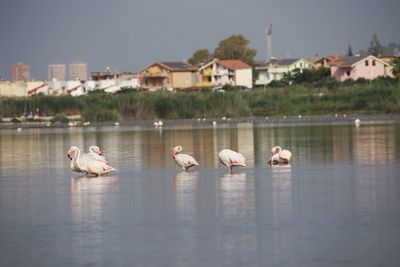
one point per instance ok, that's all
(89, 163)
(74, 154)
(183, 160)
(95, 153)
(231, 158)
(279, 156)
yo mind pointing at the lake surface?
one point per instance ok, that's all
(338, 204)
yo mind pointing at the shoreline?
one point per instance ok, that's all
(211, 122)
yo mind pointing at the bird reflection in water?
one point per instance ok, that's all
(235, 195)
(282, 188)
(185, 194)
(282, 171)
(91, 203)
(99, 184)
(89, 197)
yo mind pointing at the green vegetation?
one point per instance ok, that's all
(375, 47)
(396, 68)
(201, 56)
(362, 97)
(234, 47)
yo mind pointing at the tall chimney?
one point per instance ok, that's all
(268, 31)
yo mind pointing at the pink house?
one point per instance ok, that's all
(354, 67)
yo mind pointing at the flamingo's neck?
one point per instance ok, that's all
(77, 156)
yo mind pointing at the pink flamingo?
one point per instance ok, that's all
(183, 160)
(87, 163)
(279, 156)
(231, 158)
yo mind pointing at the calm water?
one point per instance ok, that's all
(338, 204)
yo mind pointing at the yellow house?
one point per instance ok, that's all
(168, 75)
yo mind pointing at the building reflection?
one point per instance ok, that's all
(374, 145)
(368, 144)
(141, 149)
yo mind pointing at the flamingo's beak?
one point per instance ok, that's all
(173, 155)
(69, 156)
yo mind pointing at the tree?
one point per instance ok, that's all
(375, 48)
(235, 47)
(396, 68)
(201, 56)
(349, 51)
(307, 76)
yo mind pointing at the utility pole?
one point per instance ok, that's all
(268, 31)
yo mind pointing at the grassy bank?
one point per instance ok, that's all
(375, 98)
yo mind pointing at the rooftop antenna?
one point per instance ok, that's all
(268, 31)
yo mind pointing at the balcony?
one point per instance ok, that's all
(155, 75)
(204, 84)
(207, 72)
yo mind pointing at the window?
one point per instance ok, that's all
(348, 73)
(366, 62)
(373, 62)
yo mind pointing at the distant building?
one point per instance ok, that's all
(20, 72)
(74, 88)
(9, 89)
(274, 69)
(221, 72)
(325, 61)
(37, 87)
(78, 71)
(112, 81)
(389, 68)
(354, 67)
(168, 75)
(56, 71)
(109, 74)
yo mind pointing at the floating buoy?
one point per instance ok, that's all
(116, 123)
(357, 122)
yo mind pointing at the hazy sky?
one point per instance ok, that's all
(129, 35)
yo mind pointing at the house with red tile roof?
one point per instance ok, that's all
(221, 72)
(325, 61)
(354, 67)
(168, 75)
